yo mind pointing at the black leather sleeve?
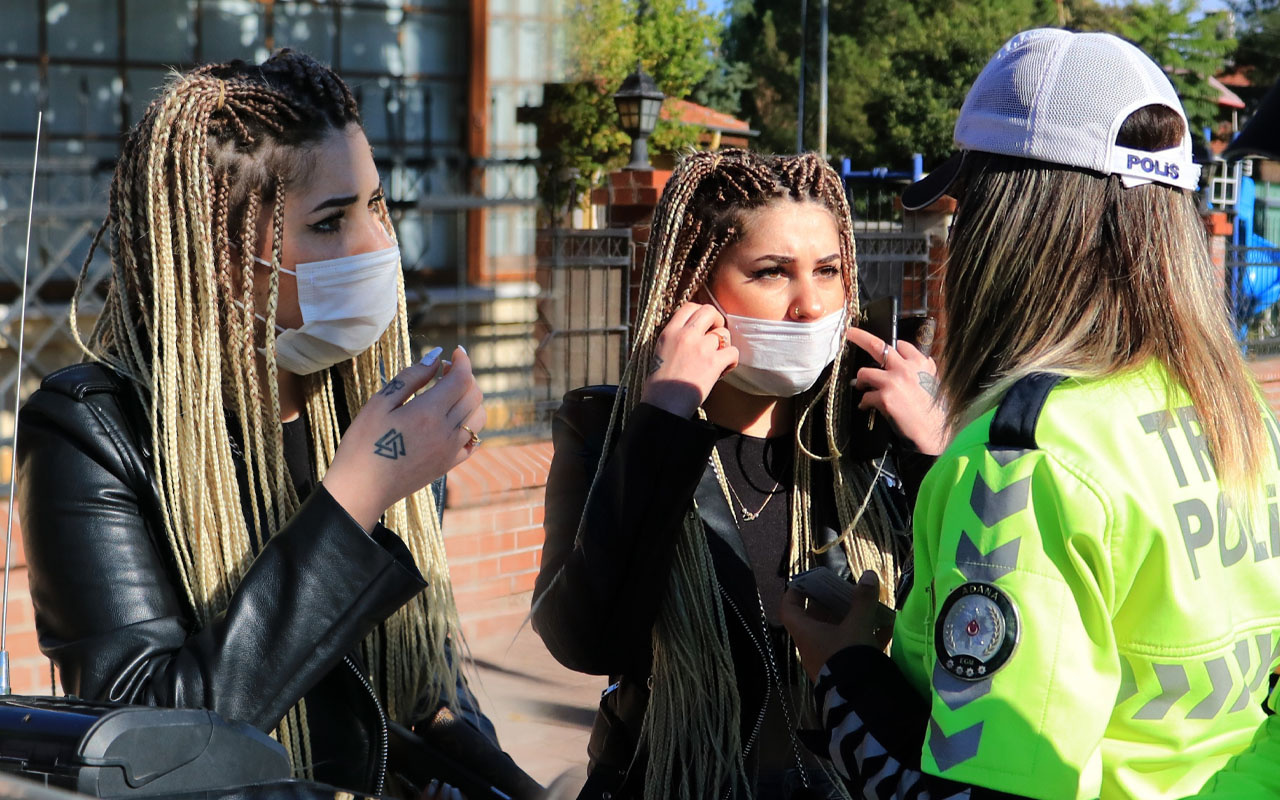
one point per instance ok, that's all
(595, 601)
(111, 615)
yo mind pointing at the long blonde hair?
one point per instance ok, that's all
(691, 729)
(1058, 270)
(213, 158)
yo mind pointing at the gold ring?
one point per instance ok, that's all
(722, 338)
(475, 440)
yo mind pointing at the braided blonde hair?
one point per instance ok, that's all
(217, 151)
(692, 723)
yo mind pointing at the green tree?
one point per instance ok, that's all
(1259, 42)
(722, 87)
(578, 126)
(897, 69)
(1190, 50)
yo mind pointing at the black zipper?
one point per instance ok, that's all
(383, 743)
(784, 696)
(764, 706)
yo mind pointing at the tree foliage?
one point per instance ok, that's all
(1258, 32)
(898, 70)
(579, 132)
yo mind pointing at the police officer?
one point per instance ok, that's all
(1097, 553)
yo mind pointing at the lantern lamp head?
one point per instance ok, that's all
(638, 100)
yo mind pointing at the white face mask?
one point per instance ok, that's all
(779, 358)
(346, 303)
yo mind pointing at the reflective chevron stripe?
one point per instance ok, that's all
(989, 567)
(994, 507)
(1220, 678)
(947, 751)
(1173, 685)
(1176, 682)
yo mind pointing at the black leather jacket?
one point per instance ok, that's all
(595, 603)
(112, 615)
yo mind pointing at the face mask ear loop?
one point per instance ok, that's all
(267, 263)
(715, 302)
(279, 329)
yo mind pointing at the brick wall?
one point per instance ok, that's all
(28, 669)
(493, 539)
(493, 535)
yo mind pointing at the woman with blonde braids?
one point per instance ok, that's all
(679, 504)
(209, 502)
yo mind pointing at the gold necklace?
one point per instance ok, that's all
(747, 514)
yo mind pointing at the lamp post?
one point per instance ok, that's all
(638, 100)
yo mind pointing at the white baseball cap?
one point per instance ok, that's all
(1060, 97)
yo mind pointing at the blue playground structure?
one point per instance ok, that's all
(1255, 273)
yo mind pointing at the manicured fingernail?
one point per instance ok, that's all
(430, 358)
(868, 578)
(464, 351)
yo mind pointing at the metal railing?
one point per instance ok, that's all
(583, 313)
(873, 194)
(1253, 290)
(894, 263)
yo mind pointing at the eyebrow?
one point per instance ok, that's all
(791, 259)
(335, 202)
(342, 202)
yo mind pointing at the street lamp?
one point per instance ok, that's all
(638, 101)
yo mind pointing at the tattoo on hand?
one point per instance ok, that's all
(655, 364)
(391, 445)
(394, 385)
(929, 383)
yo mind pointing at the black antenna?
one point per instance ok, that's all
(5, 688)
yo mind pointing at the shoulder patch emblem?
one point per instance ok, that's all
(976, 631)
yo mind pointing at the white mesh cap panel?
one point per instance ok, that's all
(998, 111)
(1061, 97)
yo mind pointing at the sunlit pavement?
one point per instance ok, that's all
(542, 711)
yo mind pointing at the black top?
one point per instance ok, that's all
(298, 456)
(759, 474)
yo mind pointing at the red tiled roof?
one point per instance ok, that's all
(1226, 97)
(691, 113)
(1238, 77)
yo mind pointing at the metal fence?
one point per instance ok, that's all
(873, 204)
(584, 311)
(69, 206)
(895, 263)
(1253, 290)
(873, 194)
